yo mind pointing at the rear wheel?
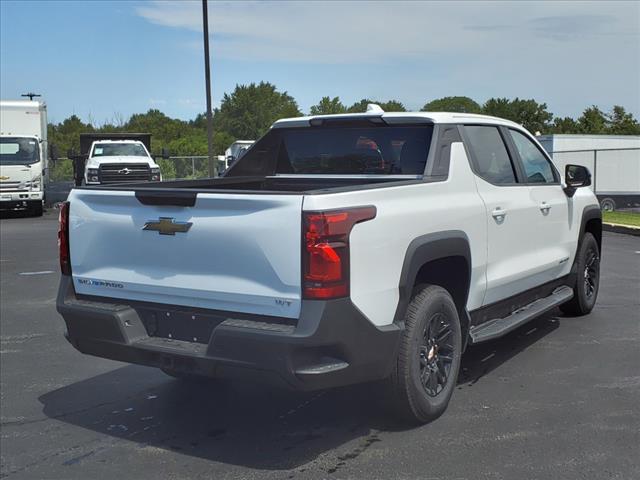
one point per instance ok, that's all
(608, 204)
(585, 290)
(429, 356)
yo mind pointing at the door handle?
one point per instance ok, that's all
(545, 207)
(498, 212)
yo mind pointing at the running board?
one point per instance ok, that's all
(500, 326)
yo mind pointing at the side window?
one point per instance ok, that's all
(490, 154)
(536, 166)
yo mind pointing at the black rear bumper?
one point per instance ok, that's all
(332, 344)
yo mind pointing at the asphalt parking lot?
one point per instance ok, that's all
(559, 398)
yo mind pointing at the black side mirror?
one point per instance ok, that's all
(165, 153)
(53, 153)
(71, 153)
(576, 176)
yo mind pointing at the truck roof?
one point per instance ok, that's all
(398, 118)
(21, 104)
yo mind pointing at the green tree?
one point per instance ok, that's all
(66, 135)
(388, 106)
(392, 106)
(162, 128)
(529, 113)
(622, 123)
(249, 111)
(328, 106)
(564, 125)
(453, 104)
(593, 121)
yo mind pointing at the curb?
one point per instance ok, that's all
(617, 228)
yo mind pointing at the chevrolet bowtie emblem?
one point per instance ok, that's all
(167, 226)
(4, 178)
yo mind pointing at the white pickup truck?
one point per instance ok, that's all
(338, 249)
(118, 159)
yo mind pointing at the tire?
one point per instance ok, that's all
(36, 209)
(608, 204)
(585, 290)
(429, 355)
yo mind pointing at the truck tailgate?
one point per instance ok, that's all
(240, 254)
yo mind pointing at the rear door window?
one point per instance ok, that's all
(490, 155)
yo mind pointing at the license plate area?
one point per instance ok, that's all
(178, 325)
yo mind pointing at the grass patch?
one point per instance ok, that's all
(622, 218)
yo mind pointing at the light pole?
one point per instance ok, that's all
(207, 76)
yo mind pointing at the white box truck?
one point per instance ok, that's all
(23, 155)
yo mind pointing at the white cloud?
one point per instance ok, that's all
(382, 32)
(570, 54)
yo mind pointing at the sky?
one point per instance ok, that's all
(102, 60)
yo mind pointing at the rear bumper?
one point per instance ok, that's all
(331, 345)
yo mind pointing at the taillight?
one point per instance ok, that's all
(325, 251)
(63, 239)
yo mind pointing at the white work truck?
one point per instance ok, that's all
(338, 249)
(118, 157)
(23, 155)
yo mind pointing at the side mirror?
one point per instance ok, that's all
(70, 153)
(165, 153)
(576, 176)
(53, 153)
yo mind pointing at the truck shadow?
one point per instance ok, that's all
(250, 425)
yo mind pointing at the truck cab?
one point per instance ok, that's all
(121, 160)
(23, 156)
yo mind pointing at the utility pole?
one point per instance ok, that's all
(213, 171)
(31, 95)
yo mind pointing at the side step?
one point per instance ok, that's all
(500, 326)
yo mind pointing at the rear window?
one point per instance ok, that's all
(361, 150)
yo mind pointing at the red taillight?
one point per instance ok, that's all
(63, 239)
(325, 251)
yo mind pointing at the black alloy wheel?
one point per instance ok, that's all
(436, 355)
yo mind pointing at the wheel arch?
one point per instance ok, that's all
(444, 259)
(592, 223)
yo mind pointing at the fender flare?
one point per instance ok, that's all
(591, 212)
(425, 249)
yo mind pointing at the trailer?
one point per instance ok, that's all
(613, 160)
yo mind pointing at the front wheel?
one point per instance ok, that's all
(585, 290)
(36, 209)
(429, 356)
